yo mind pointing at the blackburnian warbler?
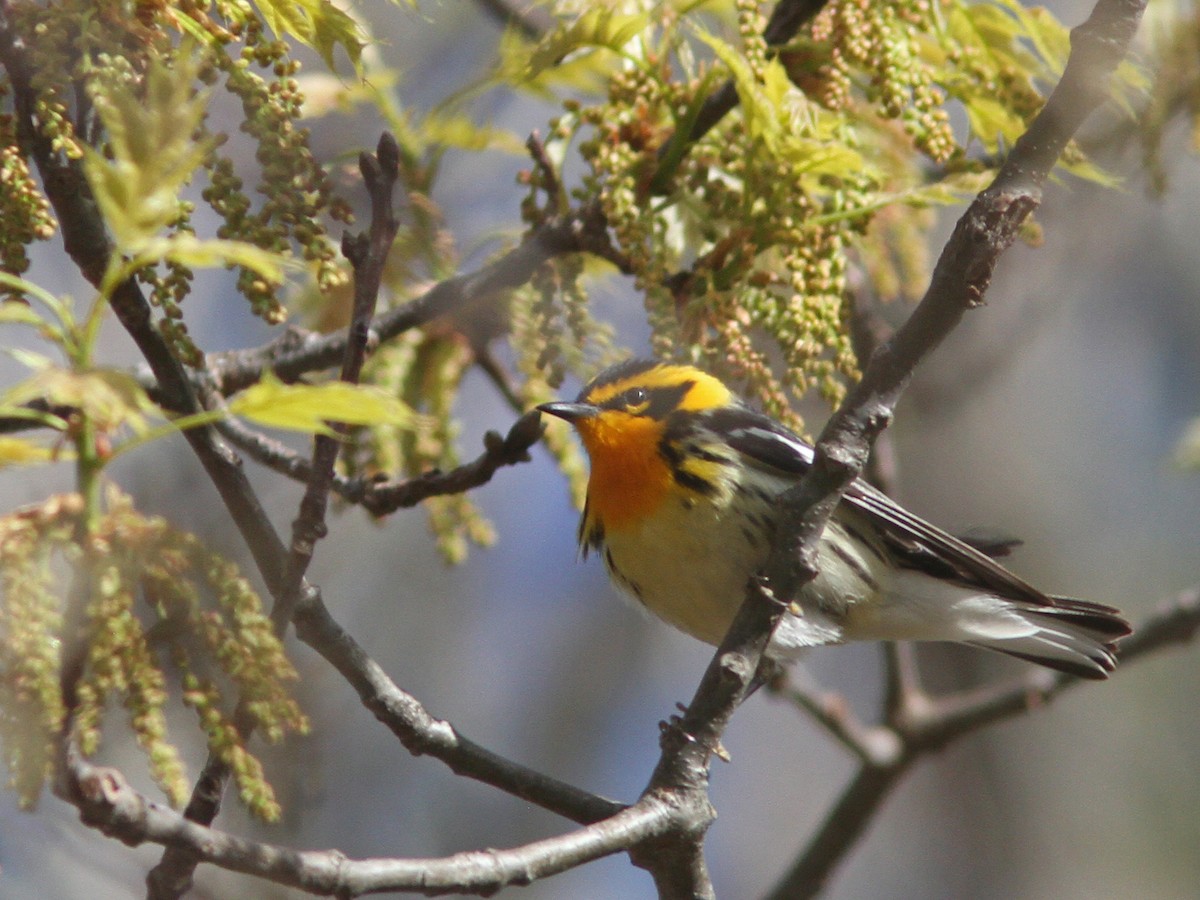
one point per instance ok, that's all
(682, 504)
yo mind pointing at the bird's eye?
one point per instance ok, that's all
(636, 399)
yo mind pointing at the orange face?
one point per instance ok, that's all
(620, 417)
(629, 476)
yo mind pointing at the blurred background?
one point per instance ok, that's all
(1051, 414)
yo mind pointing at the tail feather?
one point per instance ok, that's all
(1068, 635)
(1095, 668)
(1096, 618)
(1071, 636)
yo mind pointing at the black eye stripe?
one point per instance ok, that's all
(658, 402)
(666, 400)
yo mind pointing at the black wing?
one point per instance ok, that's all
(910, 540)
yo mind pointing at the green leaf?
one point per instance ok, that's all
(318, 24)
(189, 250)
(759, 107)
(307, 407)
(154, 150)
(950, 190)
(13, 312)
(779, 116)
(1048, 36)
(108, 397)
(993, 122)
(598, 28)
(455, 130)
(1089, 171)
(30, 359)
(20, 452)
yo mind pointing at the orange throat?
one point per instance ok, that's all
(629, 479)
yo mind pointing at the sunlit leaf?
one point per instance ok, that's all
(779, 116)
(14, 313)
(993, 123)
(950, 190)
(308, 407)
(110, 398)
(20, 452)
(1089, 171)
(758, 110)
(59, 306)
(1048, 36)
(154, 150)
(318, 24)
(460, 131)
(189, 250)
(598, 28)
(325, 93)
(30, 359)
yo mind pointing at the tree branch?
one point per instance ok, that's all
(959, 282)
(383, 497)
(296, 352)
(680, 780)
(367, 254)
(108, 803)
(934, 723)
(423, 734)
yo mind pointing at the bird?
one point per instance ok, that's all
(683, 500)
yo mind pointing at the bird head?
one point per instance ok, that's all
(621, 416)
(627, 404)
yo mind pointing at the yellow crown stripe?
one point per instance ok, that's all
(706, 392)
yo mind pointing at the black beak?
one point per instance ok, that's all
(572, 412)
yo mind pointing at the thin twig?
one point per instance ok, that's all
(499, 377)
(902, 680)
(297, 353)
(546, 178)
(367, 253)
(383, 497)
(874, 745)
(423, 734)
